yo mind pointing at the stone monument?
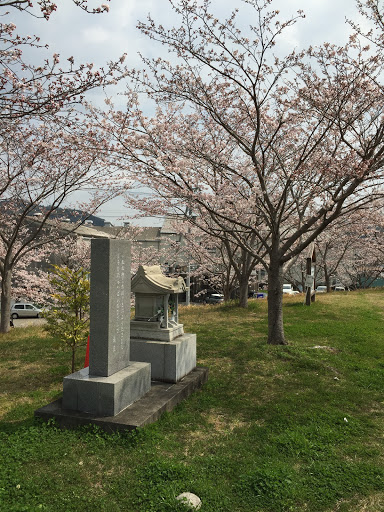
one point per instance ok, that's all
(156, 335)
(112, 381)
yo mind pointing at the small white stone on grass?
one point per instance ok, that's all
(190, 500)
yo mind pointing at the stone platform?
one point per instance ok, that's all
(162, 397)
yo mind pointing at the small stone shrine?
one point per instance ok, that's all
(156, 335)
(112, 381)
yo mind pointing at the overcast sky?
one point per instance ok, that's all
(103, 37)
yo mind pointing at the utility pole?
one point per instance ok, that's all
(310, 277)
(188, 283)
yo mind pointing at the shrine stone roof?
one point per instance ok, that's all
(150, 279)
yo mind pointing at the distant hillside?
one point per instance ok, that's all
(68, 214)
(76, 216)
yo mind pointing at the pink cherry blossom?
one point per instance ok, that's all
(267, 152)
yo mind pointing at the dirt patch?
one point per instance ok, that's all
(26, 322)
(373, 503)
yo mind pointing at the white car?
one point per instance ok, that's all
(288, 288)
(321, 289)
(24, 310)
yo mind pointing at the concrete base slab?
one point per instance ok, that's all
(170, 360)
(106, 396)
(163, 397)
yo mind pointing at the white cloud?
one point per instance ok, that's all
(95, 35)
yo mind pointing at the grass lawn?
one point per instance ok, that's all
(294, 428)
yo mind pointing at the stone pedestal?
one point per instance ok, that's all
(106, 396)
(170, 360)
(153, 331)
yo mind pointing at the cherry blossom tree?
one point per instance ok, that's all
(336, 245)
(373, 12)
(162, 250)
(27, 89)
(223, 263)
(40, 167)
(47, 7)
(208, 262)
(291, 142)
(347, 252)
(73, 252)
(48, 148)
(31, 277)
(363, 261)
(33, 90)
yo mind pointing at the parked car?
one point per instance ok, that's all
(339, 288)
(321, 289)
(24, 310)
(214, 298)
(287, 288)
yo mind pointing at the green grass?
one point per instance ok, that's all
(293, 428)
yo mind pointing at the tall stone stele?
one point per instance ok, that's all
(112, 381)
(156, 335)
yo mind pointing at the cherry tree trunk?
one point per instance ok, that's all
(243, 292)
(226, 293)
(327, 278)
(228, 286)
(275, 304)
(5, 300)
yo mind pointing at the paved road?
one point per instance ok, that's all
(25, 322)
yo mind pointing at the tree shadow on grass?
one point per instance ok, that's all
(294, 305)
(11, 427)
(22, 416)
(233, 306)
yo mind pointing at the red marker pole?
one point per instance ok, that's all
(86, 362)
